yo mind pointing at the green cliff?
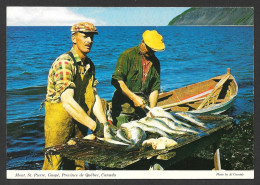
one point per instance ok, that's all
(215, 16)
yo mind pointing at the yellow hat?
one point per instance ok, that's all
(154, 40)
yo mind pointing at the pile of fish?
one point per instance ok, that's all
(166, 126)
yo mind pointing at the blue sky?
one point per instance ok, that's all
(100, 16)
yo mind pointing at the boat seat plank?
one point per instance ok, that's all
(179, 109)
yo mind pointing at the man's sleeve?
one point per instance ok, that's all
(121, 68)
(63, 74)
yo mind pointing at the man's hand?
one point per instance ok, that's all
(153, 98)
(138, 101)
(90, 137)
(99, 130)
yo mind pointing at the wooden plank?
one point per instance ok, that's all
(179, 109)
(164, 95)
(218, 85)
(166, 107)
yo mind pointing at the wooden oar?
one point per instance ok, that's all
(180, 103)
(218, 85)
(217, 160)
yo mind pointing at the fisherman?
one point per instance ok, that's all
(137, 79)
(72, 99)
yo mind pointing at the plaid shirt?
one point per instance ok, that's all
(61, 76)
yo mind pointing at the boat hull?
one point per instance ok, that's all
(217, 109)
(206, 97)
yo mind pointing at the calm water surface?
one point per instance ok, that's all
(192, 54)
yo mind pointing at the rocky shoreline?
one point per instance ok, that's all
(236, 149)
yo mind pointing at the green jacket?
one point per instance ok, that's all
(129, 70)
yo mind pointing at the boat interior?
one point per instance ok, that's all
(193, 96)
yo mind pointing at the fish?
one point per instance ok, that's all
(159, 112)
(108, 132)
(166, 142)
(175, 126)
(135, 134)
(110, 136)
(180, 122)
(159, 124)
(146, 128)
(149, 142)
(122, 135)
(191, 118)
(160, 143)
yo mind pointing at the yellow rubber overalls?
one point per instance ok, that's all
(59, 126)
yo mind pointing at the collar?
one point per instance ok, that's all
(148, 59)
(76, 56)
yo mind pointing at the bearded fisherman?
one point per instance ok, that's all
(72, 99)
(137, 79)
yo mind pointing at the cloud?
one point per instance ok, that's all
(44, 16)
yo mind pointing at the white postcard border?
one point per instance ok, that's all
(128, 174)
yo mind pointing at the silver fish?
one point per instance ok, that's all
(159, 112)
(146, 128)
(180, 122)
(191, 118)
(122, 135)
(175, 126)
(158, 123)
(110, 137)
(135, 134)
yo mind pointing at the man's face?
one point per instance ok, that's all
(83, 41)
(146, 50)
(149, 52)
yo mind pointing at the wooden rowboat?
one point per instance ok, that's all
(213, 96)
